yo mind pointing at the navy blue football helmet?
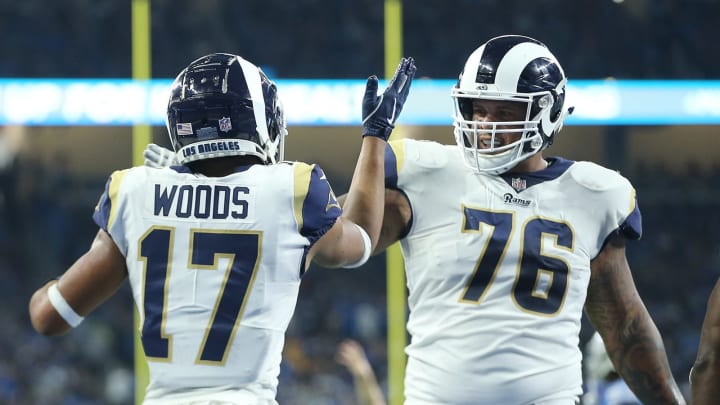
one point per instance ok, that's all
(222, 105)
(509, 68)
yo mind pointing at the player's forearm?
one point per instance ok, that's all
(639, 356)
(364, 203)
(631, 338)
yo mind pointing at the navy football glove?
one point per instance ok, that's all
(380, 112)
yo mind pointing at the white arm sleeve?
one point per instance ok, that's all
(62, 307)
(367, 244)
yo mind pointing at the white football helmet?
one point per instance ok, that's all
(509, 68)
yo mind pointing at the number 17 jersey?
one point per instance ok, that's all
(214, 264)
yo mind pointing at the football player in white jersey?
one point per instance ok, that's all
(504, 247)
(214, 248)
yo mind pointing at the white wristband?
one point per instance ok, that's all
(367, 245)
(62, 307)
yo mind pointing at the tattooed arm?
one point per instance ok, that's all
(631, 338)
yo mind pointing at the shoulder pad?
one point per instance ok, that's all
(597, 178)
(426, 154)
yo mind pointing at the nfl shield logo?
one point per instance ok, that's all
(225, 124)
(518, 184)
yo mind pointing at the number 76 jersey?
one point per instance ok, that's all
(215, 265)
(497, 272)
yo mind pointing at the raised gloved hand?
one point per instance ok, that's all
(159, 157)
(380, 112)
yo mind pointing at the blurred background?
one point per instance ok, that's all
(51, 177)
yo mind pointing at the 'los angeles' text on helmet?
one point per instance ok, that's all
(222, 105)
(509, 68)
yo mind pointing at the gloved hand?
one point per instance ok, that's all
(159, 157)
(379, 113)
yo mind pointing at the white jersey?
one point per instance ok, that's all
(215, 266)
(497, 271)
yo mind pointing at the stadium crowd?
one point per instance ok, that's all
(675, 265)
(642, 39)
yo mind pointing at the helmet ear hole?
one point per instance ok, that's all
(556, 110)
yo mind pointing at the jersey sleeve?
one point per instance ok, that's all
(394, 159)
(612, 198)
(106, 208)
(623, 213)
(109, 208)
(315, 205)
(631, 226)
